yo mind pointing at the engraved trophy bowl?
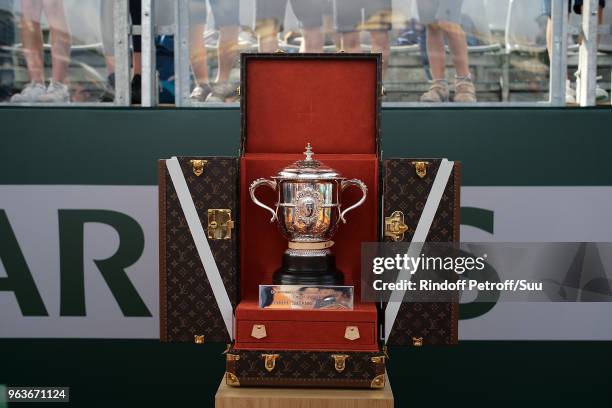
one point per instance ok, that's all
(308, 211)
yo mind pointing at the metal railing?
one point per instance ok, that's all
(151, 27)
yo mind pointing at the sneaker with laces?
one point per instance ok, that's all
(438, 92)
(200, 93)
(465, 92)
(56, 93)
(30, 93)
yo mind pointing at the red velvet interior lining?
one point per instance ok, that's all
(329, 103)
(262, 245)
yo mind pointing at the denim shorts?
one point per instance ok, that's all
(577, 6)
(433, 11)
(272, 13)
(225, 12)
(348, 17)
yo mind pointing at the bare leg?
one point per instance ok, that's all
(32, 39)
(110, 64)
(313, 40)
(380, 43)
(60, 39)
(197, 53)
(549, 29)
(350, 42)
(267, 37)
(435, 51)
(458, 48)
(137, 63)
(228, 51)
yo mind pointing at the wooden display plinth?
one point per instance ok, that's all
(232, 397)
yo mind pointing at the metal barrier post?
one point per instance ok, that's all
(149, 72)
(558, 60)
(587, 60)
(122, 53)
(181, 53)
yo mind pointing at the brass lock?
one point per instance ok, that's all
(270, 361)
(198, 166)
(395, 226)
(198, 339)
(339, 361)
(417, 341)
(220, 224)
(421, 168)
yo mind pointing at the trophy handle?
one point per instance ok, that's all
(364, 189)
(254, 186)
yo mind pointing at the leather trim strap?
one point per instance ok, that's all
(418, 239)
(310, 245)
(201, 242)
(163, 333)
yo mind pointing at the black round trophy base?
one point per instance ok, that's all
(309, 271)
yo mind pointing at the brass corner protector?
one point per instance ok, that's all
(395, 226)
(231, 379)
(378, 381)
(417, 341)
(339, 361)
(270, 361)
(232, 357)
(378, 359)
(198, 339)
(198, 166)
(220, 223)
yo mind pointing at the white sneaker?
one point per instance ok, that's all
(601, 94)
(30, 93)
(56, 93)
(570, 93)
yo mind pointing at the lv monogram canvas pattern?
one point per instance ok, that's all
(404, 190)
(306, 368)
(188, 303)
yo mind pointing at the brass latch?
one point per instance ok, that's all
(198, 339)
(270, 361)
(339, 361)
(378, 359)
(395, 226)
(421, 168)
(198, 166)
(417, 341)
(220, 224)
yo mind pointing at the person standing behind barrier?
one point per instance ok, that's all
(570, 93)
(270, 15)
(7, 38)
(376, 20)
(32, 38)
(107, 23)
(443, 20)
(227, 19)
